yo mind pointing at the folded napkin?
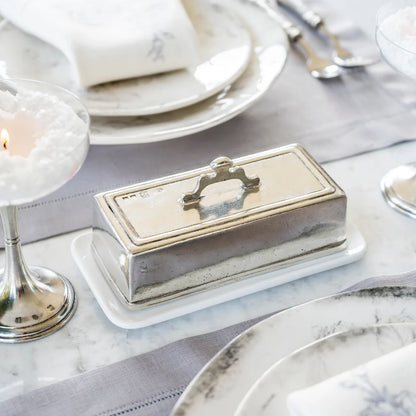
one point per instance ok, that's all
(110, 40)
(385, 386)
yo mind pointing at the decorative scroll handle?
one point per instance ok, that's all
(224, 170)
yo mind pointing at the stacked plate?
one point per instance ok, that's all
(299, 347)
(242, 51)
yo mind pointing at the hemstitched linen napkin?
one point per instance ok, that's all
(148, 384)
(383, 386)
(110, 40)
(359, 112)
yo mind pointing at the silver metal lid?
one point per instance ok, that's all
(194, 204)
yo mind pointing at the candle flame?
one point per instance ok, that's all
(4, 137)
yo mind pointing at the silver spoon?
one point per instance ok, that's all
(341, 56)
(318, 67)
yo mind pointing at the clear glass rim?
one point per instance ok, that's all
(79, 109)
(67, 92)
(380, 31)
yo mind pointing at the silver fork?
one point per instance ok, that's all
(318, 67)
(341, 56)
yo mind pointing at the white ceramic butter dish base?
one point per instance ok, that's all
(119, 314)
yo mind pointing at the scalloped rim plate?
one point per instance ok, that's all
(270, 48)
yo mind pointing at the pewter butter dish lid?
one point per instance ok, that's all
(168, 238)
(162, 212)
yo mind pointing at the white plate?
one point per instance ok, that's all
(120, 315)
(224, 47)
(222, 384)
(268, 58)
(320, 361)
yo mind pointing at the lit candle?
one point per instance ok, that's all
(4, 137)
(42, 143)
(25, 131)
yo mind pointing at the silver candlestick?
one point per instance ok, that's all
(35, 301)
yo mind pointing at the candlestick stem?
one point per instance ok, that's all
(34, 302)
(16, 276)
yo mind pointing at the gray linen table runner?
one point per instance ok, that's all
(146, 385)
(359, 112)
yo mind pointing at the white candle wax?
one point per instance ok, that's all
(47, 143)
(25, 132)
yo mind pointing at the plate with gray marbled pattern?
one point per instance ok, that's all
(319, 361)
(223, 383)
(224, 46)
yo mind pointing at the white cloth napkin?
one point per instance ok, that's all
(385, 386)
(107, 40)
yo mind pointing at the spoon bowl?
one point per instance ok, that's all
(323, 69)
(320, 68)
(351, 61)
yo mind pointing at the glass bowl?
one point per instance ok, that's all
(48, 135)
(397, 45)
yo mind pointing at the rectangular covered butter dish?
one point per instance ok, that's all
(168, 238)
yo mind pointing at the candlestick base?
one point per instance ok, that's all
(399, 189)
(39, 307)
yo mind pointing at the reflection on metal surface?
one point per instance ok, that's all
(223, 170)
(34, 302)
(222, 208)
(399, 189)
(153, 250)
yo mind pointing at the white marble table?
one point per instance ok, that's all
(90, 341)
